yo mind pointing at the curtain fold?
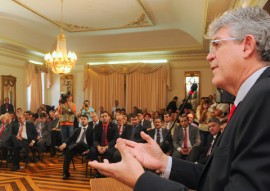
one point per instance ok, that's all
(139, 84)
(102, 90)
(33, 79)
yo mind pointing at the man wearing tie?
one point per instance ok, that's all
(130, 132)
(200, 154)
(6, 107)
(185, 137)
(44, 128)
(26, 136)
(5, 132)
(159, 134)
(105, 137)
(81, 141)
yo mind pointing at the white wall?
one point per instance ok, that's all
(15, 67)
(178, 68)
(53, 93)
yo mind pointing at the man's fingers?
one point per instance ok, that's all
(97, 165)
(126, 142)
(121, 146)
(147, 138)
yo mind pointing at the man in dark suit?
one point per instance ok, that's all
(6, 107)
(44, 129)
(105, 137)
(159, 134)
(146, 124)
(5, 133)
(130, 132)
(240, 160)
(81, 141)
(26, 136)
(200, 154)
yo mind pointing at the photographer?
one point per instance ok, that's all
(67, 111)
(86, 109)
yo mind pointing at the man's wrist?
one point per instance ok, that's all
(164, 160)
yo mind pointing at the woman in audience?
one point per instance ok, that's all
(203, 114)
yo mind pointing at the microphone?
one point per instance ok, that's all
(193, 89)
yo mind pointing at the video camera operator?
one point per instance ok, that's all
(67, 112)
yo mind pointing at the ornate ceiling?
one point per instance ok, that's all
(102, 30)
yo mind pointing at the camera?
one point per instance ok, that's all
(64, 97)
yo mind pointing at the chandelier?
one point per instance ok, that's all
(60, 62)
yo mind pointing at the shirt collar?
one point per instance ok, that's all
(246, 86)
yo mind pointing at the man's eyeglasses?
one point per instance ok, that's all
(214, 44)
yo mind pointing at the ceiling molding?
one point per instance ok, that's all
(142, 20)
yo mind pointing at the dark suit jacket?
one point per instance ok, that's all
(146, 124)
(112, 134)
(240, 160)
(166, 146)
(127, 132)
(178, 136)
(46, 131)
(30, 131)
(5, 134)
(89, 136)
(3, 108)
(199, 153)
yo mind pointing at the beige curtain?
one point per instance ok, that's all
(146, 85)
(33, 78)
(102, 90)
(147, 90)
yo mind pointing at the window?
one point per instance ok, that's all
(190, 78)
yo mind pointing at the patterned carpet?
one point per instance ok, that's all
(44, 176)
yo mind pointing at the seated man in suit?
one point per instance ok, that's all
(56, 137)
(81, 141)
(105, 137)
(168, 122)
(185, 137)
(162, 136)
(200, 154)
(44, 128)
(5, 132)
(131, 132)
(26, 136)
(144, 123)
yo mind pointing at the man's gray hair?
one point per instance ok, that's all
(246, 21)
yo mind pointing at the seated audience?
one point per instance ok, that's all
(5, 133)
(25, 137)
(81, 141)
(56, 138)
(105, 137)
(168, 122)
(131, 132)
(203, 115)
(44, 128)
(201, 154)
(162, 136)
(185, 137)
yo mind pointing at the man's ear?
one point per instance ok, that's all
(249, 45)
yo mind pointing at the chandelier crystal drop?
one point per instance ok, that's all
(60, 62)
